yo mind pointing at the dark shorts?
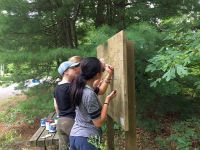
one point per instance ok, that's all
(80, 143)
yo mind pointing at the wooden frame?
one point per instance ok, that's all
(119, 53)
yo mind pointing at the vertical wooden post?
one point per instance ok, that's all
(110, 133)
(130, 135)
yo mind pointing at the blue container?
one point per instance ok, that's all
(52, 127)
(43, 122)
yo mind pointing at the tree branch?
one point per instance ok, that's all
(77, 12)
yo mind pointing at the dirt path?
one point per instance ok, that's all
(8, 92)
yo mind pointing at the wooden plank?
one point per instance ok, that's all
(49, 140)
(130, 135)
(41, 142)
(114, 53)
(35, 137)
(56, 139)
(54, 115)
(110, 133)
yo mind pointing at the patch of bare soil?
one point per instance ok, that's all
(23, 131)
(26, 132)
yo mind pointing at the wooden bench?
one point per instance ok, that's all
(37, 139)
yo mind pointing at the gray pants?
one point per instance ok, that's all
(64, 127)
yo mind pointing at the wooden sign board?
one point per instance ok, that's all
(114, 53)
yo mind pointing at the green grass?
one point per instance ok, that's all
(7, 139)
(38, 104)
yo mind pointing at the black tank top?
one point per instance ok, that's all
(62, 96)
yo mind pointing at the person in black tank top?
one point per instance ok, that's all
(68, 70)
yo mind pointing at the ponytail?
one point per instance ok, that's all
(89, 68)
(77, 90)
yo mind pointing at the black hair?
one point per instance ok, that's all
(90, 66)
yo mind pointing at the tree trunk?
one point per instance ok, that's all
(68, 33)
(99, 13)
(74, 35)
(68, 27)
(121, 13)
(109, 12)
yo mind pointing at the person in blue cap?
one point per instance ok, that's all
(68, 70)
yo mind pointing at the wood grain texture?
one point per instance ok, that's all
(114, 52)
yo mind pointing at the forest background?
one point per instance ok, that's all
(37, 35)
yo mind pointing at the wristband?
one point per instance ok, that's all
(106, 103)
(107, 81)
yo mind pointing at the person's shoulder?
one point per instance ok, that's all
(63, 86)
(88, 91)
(89, 94)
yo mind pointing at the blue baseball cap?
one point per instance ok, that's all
(65, 66)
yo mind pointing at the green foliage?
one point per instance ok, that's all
(37, 31)
(166, 88)
(184, 134)
(36, 36)
(144, 37)
(146, 40)
(150, 125)
(18, 30)
(98, 36)
(27, 65)
(174, 120)
(9, 116)
(7, 139)
(43, 63)
(39, 98)
(42, 102)
(180, 55)
(97, 142)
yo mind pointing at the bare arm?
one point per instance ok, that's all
(105, 82)
(99, 121)
(104, 85)
(56, 106)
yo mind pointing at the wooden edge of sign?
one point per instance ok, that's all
(130, 135)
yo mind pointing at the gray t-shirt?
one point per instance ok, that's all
(88, 110)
